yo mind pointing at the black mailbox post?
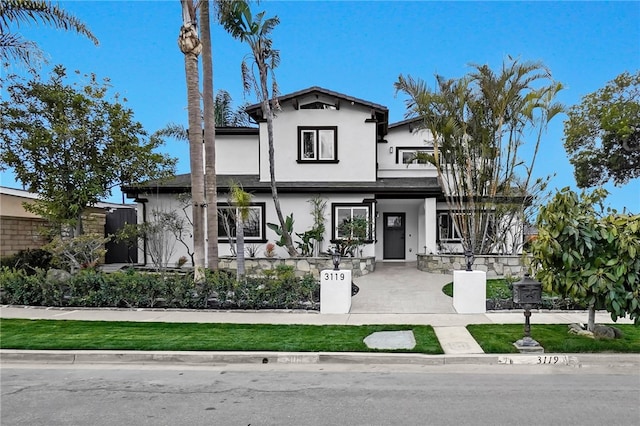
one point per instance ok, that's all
(527, 292)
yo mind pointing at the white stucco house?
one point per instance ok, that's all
(340, 148)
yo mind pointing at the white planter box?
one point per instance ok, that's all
(335, 291)
(470, 292)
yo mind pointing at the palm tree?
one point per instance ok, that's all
(227, 115)
(211, 195)
(191, 47)
(13, 47)
(241, 200)
(255, 32)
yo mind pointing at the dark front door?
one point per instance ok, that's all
(394, 228)
(120, 252)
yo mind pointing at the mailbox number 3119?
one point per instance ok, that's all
(334, 276)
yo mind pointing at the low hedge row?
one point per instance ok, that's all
(135, 289)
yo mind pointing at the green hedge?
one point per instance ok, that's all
(135, 289)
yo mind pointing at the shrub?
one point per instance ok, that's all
(132, 289)
(28, 260)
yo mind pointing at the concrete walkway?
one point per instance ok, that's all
(400, 288)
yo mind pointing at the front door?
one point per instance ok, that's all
(394, 227)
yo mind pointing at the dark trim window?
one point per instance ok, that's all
(342, 213)
(318, 144)
(408, 155)
(254, 226)
(447, 229)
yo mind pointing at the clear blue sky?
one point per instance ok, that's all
(359, 48)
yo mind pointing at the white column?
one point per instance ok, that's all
(430, 225)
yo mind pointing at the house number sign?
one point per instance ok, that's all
(333, 276)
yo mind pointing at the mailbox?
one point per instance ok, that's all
(527, 291)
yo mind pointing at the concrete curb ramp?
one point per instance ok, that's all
(74, 357)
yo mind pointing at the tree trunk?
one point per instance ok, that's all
(211, 195)
(240, 245)
(592, 318)
(268, 113)
(190, 45)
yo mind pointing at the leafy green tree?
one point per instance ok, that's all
(72, 144)
(580, 254)
(13, 47)
(602, 134)
(256, 31)
(479, 123)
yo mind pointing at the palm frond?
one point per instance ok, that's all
(18, 12)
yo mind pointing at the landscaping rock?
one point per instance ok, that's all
(606, 332)
(57, 275)
(599, 331)
(579, 330)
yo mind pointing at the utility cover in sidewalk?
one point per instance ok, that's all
(391, 340)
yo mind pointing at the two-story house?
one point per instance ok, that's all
(339, 148)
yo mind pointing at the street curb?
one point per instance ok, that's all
(74, 357)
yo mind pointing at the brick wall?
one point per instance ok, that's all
(19, 233)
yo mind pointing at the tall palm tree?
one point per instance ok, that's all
(13, 47)
(191, 47)
(255, 31)
(211, 195)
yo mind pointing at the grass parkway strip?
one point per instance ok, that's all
(103, 335)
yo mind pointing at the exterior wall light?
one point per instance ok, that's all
(335, 256)
(469, 258)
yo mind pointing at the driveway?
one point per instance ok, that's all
(400, 288)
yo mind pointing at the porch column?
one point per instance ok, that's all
(430, 226)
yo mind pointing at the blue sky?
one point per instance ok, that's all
(358, 48)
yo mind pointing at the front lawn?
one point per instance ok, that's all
(102, 335)
(499, 338)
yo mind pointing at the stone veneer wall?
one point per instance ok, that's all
(301, 265)
(493, 265)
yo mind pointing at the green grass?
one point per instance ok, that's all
(496, 289)
(61, 334)
(499, 338)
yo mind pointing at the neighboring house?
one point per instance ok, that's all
(340, 148)
(20, 229)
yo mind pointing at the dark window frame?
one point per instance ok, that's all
(262, 238)
(334, 218)
(317, 159)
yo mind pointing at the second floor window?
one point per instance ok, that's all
(413, 156)
(317, 144)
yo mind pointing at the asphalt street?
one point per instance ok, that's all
(319, 395)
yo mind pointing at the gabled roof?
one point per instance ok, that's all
(379, 113)
(412, 120)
